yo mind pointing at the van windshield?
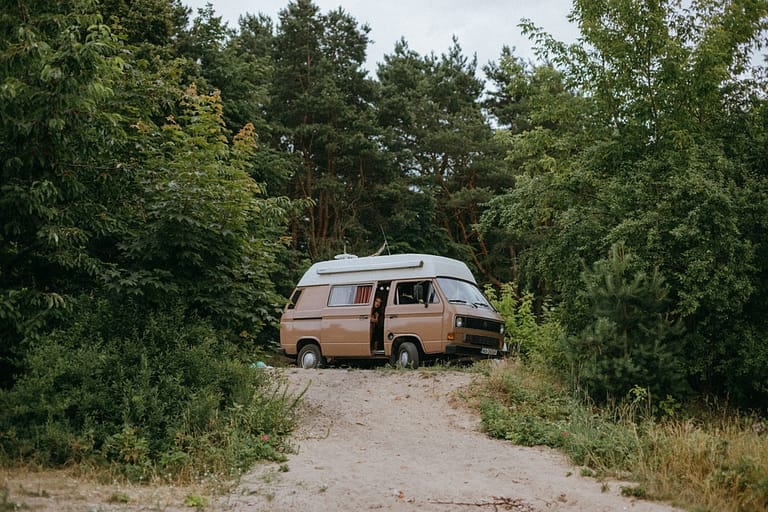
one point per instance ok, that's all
(462, 292)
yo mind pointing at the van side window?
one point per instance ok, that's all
(350, 294)
(294, 299)
(415, 292)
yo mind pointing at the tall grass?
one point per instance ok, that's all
(715, 461)
(718, 463)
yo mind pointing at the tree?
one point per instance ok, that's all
(631, 340)
(156, 23)
(543, 125)
(444, 150)
(201, 233)
(59, 66)
(321, 107)
(136, 253)
(658, 169)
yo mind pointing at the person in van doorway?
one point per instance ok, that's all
(377, 324)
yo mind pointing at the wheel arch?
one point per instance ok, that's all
(303, 342)
(399, 340)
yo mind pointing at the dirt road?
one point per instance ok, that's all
(399, 441)
(370, 440)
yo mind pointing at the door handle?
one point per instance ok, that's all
(363, 317)
(392, 316)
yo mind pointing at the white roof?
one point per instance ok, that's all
(376, 268)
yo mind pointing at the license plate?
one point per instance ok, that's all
(489, 351)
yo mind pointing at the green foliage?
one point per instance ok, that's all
(58, 69)
(160, 231)
(529, 410)
(123, 183)
(631, 340)
(147, 22)
(195, 500)
(237, 63)
(320, 102)
(203, 233)
(645, 136)
(707, 462)
(444, 154)
(540, 342)
(150, 393)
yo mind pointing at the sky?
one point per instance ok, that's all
(482, 27)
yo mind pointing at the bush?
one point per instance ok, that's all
(540, 341)
(145, 392)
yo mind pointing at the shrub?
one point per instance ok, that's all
(144, 392)
(717, 461)
(540, 341)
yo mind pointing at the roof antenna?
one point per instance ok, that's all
(345, 255)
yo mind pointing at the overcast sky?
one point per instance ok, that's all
(483, 27)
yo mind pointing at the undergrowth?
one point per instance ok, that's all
(144, 397)
(716, 460)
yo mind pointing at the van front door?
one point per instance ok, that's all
(415, 309)
(346, 321)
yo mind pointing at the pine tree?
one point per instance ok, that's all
(630, 340)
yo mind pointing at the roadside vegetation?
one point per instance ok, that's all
(708, 459)
(168, 399)
(703, 456)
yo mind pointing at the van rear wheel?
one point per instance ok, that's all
(310, 357)
(407, 355)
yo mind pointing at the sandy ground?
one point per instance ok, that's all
(401, 441)
(370, 440)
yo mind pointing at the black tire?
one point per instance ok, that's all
(407, 356)
(310, 357)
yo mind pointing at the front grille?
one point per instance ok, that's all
(486, 341)
(482, 324)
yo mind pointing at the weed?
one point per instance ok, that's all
(119, 497)
(41, 493)
(633, 491)
(168, 397)
(270, 477)
(195, 500)
(6, 505)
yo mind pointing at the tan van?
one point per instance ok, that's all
(405, 307)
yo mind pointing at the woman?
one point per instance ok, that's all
(377, 325)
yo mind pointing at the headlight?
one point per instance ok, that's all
(501, 329)
(459, 321)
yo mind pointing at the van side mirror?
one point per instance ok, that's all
(418, 294)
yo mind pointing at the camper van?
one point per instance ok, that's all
(406, 308)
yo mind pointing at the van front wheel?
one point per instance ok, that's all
(407, 355)
(310, 357)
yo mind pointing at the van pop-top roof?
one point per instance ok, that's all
(396, 266)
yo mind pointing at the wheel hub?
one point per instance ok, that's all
(308, 361)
